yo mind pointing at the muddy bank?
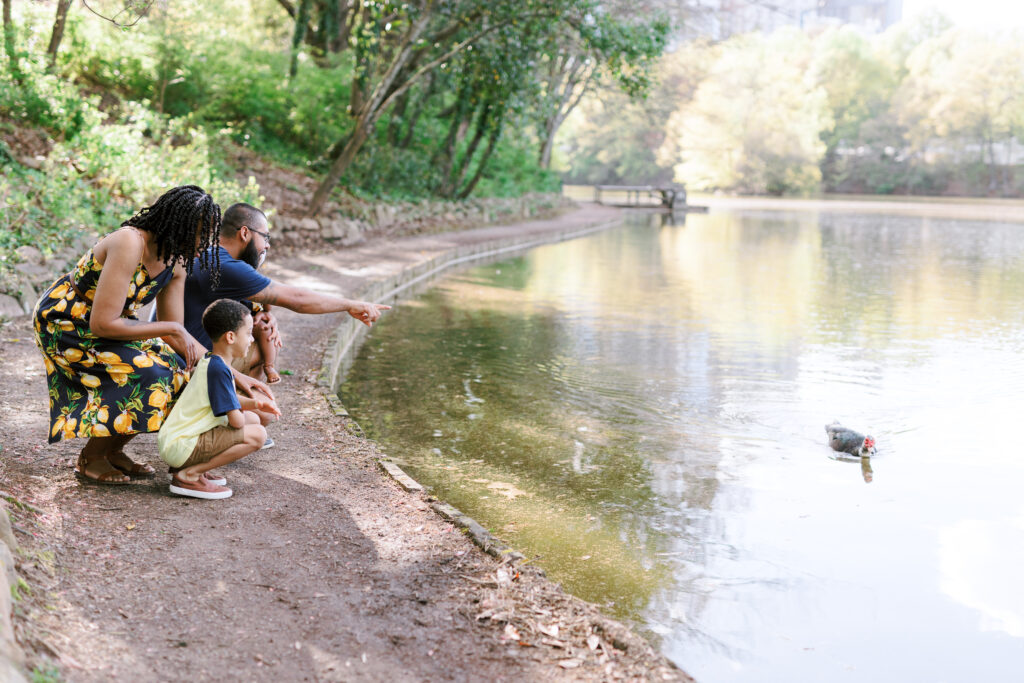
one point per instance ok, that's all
(320, 568)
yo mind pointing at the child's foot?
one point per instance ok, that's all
(273, 377)
(200, 488)
(215, 478)
(209, 475)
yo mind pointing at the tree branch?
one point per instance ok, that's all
(127, 6)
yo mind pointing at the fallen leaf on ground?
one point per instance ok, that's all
(593, 641)
(511, 632)
(503, 576)
(548, 630)
(569, 663)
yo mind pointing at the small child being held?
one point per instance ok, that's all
(210, 425)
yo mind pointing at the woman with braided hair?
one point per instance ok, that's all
(111, 376)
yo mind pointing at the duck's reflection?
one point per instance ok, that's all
(865, 469)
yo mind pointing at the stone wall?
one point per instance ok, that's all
(28, 270)
(11, 656)
(361, 221)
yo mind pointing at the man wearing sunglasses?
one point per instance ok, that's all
(244, 243)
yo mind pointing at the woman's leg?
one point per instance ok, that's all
(122, 462)
(93, 463)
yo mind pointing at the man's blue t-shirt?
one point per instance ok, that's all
(238, 280)
(220, 385)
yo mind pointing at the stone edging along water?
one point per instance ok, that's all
(11, 656)
(348, 338)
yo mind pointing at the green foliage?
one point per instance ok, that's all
(133, 111)
(48, 673)
(513, 171)
(922, 108)
(103, 166)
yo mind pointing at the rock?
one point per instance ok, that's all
(9, 307)
(385, 215)
(335, 229)
(7, 565)
(296, 224)
(30, 270)
(29, 297)
(353, 233)
(29, 254)
(35, 163)
(6, 533)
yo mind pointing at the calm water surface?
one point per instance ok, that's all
(643, 411)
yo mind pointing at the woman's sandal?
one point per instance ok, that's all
(273, 377)
(134, 470)
(106, 477)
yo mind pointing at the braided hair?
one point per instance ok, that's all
(175, 220)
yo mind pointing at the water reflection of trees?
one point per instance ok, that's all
(494, 383)
(607, 377)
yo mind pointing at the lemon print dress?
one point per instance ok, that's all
(103, 387)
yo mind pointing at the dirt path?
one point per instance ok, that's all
(319, 568)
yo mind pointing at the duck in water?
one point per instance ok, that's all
(846, 440)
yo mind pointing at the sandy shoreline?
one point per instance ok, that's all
(320, 567)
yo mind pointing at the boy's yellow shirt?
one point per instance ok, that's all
(190, 417)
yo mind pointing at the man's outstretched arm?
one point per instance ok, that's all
(303, 300)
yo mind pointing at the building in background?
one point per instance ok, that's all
(720, 19)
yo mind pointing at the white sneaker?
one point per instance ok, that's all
(201, 488)
(269, 443)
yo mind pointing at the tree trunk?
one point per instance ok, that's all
(445, 154)
(421, 104)
(12, 55)
(360, 74)
(339, 40)
(482, 124)
(58, 30)
(367, 116)
(395, 125)
(568, 98)
(345, 27)
(492, 142)
(550, 128)
(355, 142)
(301, 24)
(382, 96)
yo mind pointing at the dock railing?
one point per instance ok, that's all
(668, 196)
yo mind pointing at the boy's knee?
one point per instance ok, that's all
(255, 435)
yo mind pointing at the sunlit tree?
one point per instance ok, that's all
(755, 123)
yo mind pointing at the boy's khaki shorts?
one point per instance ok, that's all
(213, 442)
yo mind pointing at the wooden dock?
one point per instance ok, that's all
(671, 197)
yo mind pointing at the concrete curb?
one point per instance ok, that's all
(481, 536)
(346, 340)
(11, 656)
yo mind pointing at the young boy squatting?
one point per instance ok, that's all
(210, 424)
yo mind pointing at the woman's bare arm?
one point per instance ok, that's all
(124, 250)
(170, 306)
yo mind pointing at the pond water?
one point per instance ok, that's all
(642, 410)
